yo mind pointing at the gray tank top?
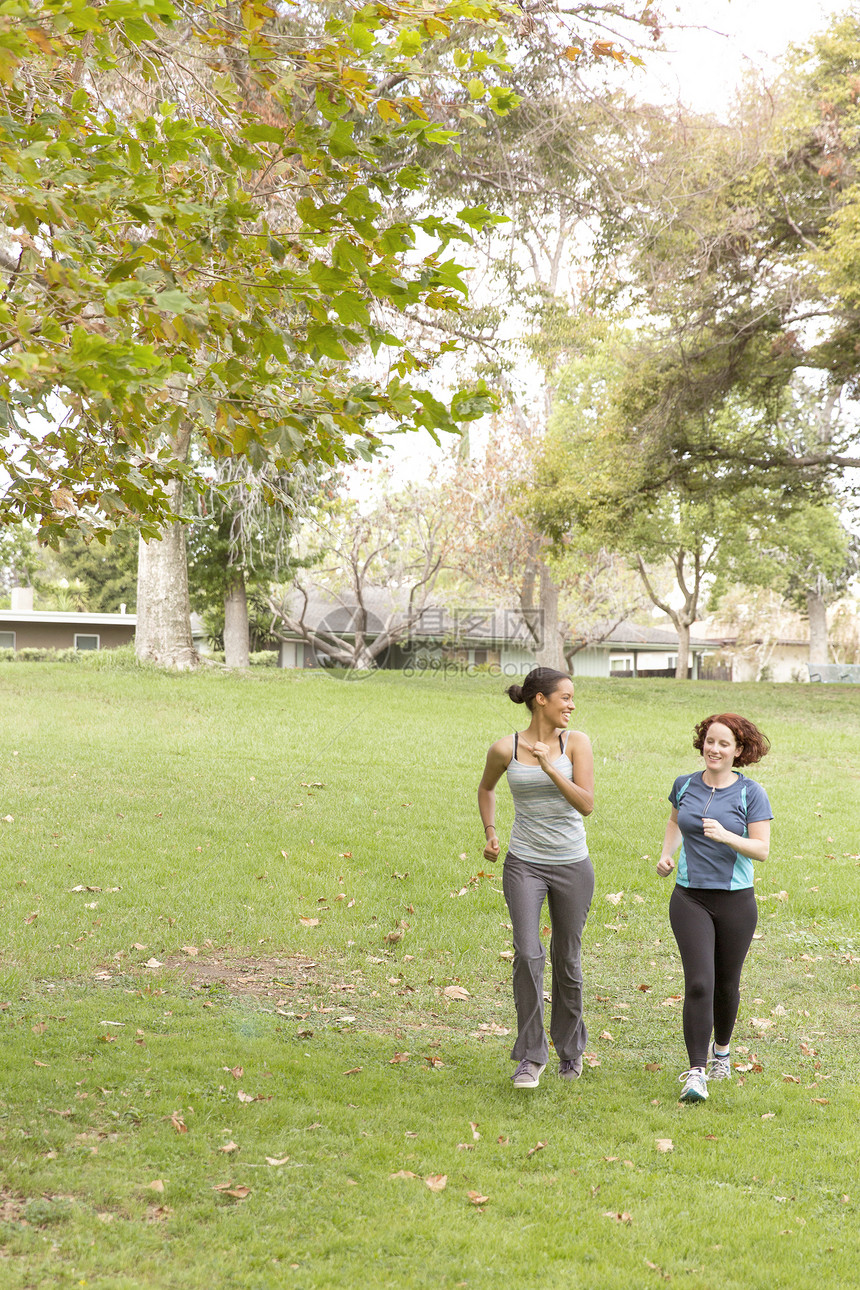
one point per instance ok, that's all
(547, 829)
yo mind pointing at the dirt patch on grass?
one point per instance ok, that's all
(238, 975)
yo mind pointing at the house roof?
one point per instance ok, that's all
(76, 619)
(632, 635)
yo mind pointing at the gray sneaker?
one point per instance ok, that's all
(527, 1074)
(695, 1086)
(570, 1069)
(719, 1065)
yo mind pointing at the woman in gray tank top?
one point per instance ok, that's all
(550, 772)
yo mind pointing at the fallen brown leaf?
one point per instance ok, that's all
(229, 1146)
(619, 1218)
(353, 1070)
(157, 1185)
(436, 1182)
(227, 1189)
(456, 992)
(664, 1144)
(403, 1173)
(309, 922)
(179, 1124)
(272, 1160)
(473, 1126)
(476, 1198)
(539, 1146)
(398, 1058)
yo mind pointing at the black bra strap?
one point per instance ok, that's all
(561, 744)
(516, 741)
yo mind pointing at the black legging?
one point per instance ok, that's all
(714, 930)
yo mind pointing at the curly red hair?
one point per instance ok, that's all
(752, 744)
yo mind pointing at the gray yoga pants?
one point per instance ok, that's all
(568, 889)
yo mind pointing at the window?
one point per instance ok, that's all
(621, 663)
(86, 642)
(7, 640)
(671, 660)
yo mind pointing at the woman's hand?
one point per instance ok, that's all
(713, 829)
(665, 865)
(492, 849)
(540, 752)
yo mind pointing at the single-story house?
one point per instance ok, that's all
(782, 659)
(497, 639)
(633, 650)
(23, 627)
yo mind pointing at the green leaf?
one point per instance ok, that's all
(327, 342)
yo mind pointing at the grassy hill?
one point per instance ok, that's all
(251, 953)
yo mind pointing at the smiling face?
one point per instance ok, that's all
(720, 748)
(559, 705)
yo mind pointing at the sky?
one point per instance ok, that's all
(713, 44)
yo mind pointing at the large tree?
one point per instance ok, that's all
(744, 282)
(194, 242)
(240, 541)
(586, 488)
(370, 573)
(810, 559)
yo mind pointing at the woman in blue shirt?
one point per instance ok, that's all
(721, 820)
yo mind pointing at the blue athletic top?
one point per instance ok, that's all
(704, 862)
(547, 829)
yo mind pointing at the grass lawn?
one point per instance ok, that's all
(255, 999)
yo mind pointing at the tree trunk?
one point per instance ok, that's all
(163, 632)
(237, 634)
(816, 612)
(683, 663)
(550, 652)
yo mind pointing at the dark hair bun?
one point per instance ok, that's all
(540, 680)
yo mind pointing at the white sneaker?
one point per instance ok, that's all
(719, 1065)
(527, 1074)
(695, 1088)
